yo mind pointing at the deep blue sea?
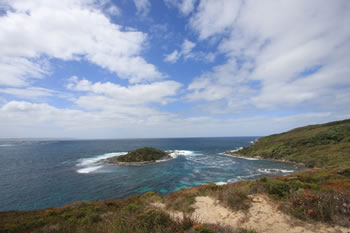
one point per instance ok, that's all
(36, 174)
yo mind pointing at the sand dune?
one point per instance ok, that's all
(262, 216)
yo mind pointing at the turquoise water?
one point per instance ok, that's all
(42, 174)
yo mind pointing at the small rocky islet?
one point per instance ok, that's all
(141, 156)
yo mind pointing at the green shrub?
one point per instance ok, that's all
(278, 188)
(263, 179)
(154, 219)
(133, 207)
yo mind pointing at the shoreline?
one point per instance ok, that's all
(237, 155)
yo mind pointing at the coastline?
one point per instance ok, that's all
(237, 155)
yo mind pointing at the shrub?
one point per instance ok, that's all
(321, 206)
(203, 229)
(263, 179)
(154, 219)
(182, 202)
(235, 198)
(278, 188)
(133, 207)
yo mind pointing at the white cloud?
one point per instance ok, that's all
(142, 6)
(135, 100)
(186, 52)
(24, 119)
(187, 47)
(14, 71)
(140, 94)
(113, 10)
(68, 30)
(172, 57)
(214, 17)
(29, 92)
(184, 6)
(281, 54)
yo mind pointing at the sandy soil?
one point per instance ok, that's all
(262, 216)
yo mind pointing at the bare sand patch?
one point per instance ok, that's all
(262, 216)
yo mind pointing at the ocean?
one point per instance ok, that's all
(37, 174)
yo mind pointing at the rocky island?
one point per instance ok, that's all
(141, 156)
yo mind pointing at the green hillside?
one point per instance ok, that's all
(325, 145)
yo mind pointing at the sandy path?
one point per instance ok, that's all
(262, 216)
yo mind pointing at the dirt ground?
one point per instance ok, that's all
(262, 216)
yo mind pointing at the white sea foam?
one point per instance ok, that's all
(286, 171)
(235, 150)
(240, 157)
(274, 170)
(246, 158)
(247, 176)
(221, 183)
(92, 164)
(99, 158)
(176, 153)
(5, 145)
(232, 180)
(89, 169)
(252, 142)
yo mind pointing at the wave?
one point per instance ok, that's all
(220, 183)
(274, 170)
(176, 153)
(89, 169)
(240, 157)
(235, 150)
(88, 165)
(6, 145)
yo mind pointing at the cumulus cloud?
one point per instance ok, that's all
(172, 57)
(156, 92)
(36, 31)
(185, 52)
(281, 54)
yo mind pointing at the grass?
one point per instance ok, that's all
(325, 145)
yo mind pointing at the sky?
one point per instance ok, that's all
(171, 68)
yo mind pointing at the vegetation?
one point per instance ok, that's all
(132, 215)
(316, 195)
(326, 145)
(145, 154)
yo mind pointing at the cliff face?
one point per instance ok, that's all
(325, 145)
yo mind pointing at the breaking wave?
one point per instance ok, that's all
(88, 165)
(274, 170)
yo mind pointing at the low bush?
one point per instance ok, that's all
(235, 198)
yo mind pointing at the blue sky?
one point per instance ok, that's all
(171, 68)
